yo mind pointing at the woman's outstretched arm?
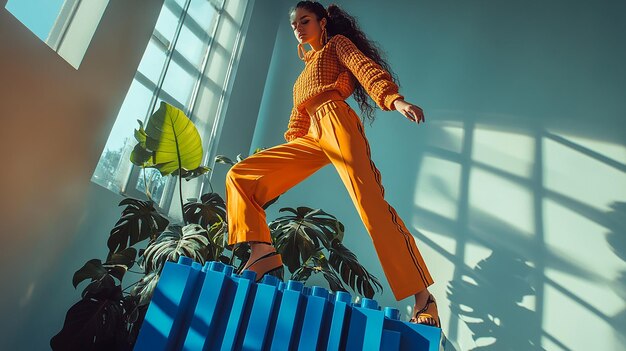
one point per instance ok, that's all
(377, 81)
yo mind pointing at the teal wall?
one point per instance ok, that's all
(515, 187)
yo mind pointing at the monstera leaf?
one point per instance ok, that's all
(145, 288)
(139, 221)
(210, 210)
(218, 234)
(117, 266)
(191, 241)
(319, 264)
(352, 272)
(170, 142)
(298, 236)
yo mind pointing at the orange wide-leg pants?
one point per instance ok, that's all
(336, 136)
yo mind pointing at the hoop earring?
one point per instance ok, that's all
(323, 37)
(301, 51)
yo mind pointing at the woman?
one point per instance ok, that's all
(324, 129)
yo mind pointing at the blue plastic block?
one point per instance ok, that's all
(317, 317)
(366, 326)
(212, 308)
(414, 336)
(390, 341)
(331, 297)
(168, 313)
(241, 306)
(340, 319)
(263, 314)
(290, 317)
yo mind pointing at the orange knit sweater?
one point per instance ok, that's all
(335, 66)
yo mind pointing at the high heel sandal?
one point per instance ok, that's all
(420, 313)
(270, 263)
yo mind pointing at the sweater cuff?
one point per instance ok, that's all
(389, 100)
(294, 133)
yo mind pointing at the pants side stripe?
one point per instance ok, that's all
(393, 216)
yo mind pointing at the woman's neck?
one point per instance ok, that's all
(316, 46)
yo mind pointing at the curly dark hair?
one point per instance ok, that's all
(340, 22)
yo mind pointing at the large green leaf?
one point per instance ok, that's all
(173, 140)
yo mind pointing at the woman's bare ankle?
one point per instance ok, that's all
(421, 296)
(258, 249)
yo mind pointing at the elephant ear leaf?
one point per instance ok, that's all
(172, 140)
(140, 155)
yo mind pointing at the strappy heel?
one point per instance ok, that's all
(421, 313)
(270, 263)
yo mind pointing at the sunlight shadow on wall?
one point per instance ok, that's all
(522, 215)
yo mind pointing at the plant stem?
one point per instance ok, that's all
(135, 283)
(180, 191)
(180, 180)
(145, 183)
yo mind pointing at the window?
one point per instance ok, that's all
(188, 62)
(67, 26)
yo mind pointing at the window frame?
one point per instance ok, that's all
(130, 187)
(129, 183)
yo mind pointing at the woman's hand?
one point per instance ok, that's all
(410, 111)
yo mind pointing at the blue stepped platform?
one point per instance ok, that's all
(209, 307)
